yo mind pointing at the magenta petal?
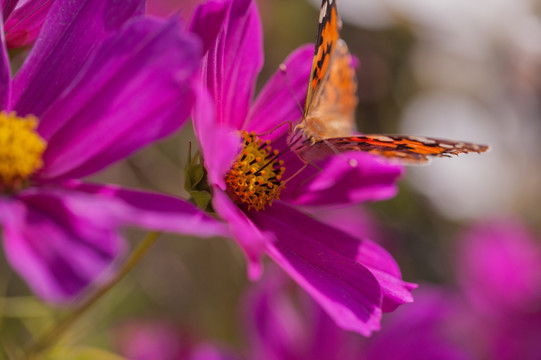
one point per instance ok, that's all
(283, 96)
(152, 211)
(69, 35)
(207, 21)
(355, 220)
(324, 262)
(344, 179)
(7, 7)
(5, 75)
(274, 327)
(420, 331)
(233, 62)
(23, 25)
(7, 213)
(250, 238)
(499, 267)
(278, 327)
(219, 144)
(212, 352)
(136, 90)
(382, 265)
(57, 249)
(357, 223)
(149, 340)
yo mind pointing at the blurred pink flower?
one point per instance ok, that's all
(155, 340)
(499, 268)
(352, 278)
(284, 324)
(279, 328)
(496, 314)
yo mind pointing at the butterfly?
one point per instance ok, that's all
(328, 120)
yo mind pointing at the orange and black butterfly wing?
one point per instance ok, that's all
(332, 90)
(327, 38)
(332, 111)
(406, 149)
(331, 99)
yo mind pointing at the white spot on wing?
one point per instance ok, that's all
(322, 12)
(381, 138)
(422, 139)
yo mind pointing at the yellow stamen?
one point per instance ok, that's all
(254, 179)
(21, 150)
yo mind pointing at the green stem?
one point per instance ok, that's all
(53, 335)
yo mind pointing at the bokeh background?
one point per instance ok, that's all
(457, 69)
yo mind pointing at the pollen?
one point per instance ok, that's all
(255, 179)
(21, 150)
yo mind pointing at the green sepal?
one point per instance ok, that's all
(201, 198)
(196, 181)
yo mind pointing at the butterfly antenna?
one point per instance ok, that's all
(283, 70)
(288, 123)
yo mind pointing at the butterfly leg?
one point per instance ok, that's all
(305, 165)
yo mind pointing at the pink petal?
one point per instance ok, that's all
(347, 178)
(150, 210)
(219, 143)
(324, 262)
(69, 36)
(234, 61)
(250, 238)
(499, 266)
(5, 74)
(57, 249)
(283, 96)
(136, 89)
(25, 22)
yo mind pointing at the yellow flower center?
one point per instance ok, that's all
(255, 178)
(21, 150)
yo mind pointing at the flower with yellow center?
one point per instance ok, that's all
(103, 82)
(255, 178)
(21, 150)
(353, 279)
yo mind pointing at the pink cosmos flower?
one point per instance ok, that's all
(494, 313)
(352, 278)
(23, 20)
(153, 339)
(499, 268)
(281, 323)
(424, 330)
(99, 83)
